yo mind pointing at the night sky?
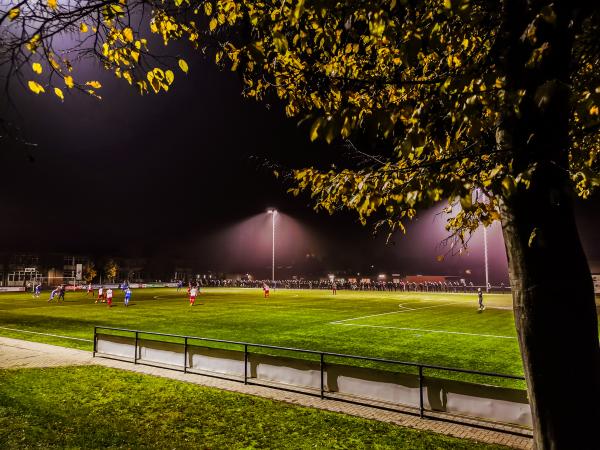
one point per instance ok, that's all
(181, 175)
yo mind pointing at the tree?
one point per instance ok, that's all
(111, 270)
(492, 106)
(89, 272)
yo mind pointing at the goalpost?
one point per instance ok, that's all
(71, 283)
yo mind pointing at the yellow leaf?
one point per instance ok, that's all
(94, 84)
(213, 24)
(37, 67)
(135, 55)
(127, 76)
(53, 63)
(169, 76)
(14, 13)
(158, 73)
(69, 81)
(52, 4)
(208, 8)
(183, 65)
(83, 28)
(35, 87)
(33, 43)
(155, 85)
(128, 33)
(59, 93)
(594, 110)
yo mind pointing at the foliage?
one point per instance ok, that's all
(111, 269)
(89, 272)
(420, 78)
(97, 407)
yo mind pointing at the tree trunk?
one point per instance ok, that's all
(553, 293)
(555, 317)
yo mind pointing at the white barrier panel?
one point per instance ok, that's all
(501, 410)
(293, 372)
(501, 404)
(119, 346)
(467, 399)
(217, 360)
(167, 353)
(379, 385)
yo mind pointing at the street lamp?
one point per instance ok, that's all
(273, 212)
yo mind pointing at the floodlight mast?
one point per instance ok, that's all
(484, 198)
(273, 212)
(485, 253)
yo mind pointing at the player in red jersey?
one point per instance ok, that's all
(193, 292)
(109, 297)
(100, 294)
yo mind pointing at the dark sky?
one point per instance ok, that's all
(179, 175)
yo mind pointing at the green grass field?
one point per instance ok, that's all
(431, 328)
(96, 407)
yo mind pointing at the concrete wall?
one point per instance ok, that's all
(467, 399)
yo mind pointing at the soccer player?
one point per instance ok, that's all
(53, 294)
(480, 299)
(127, 296)
(38, 290)
(266, 290)
(334, 288)
(109, 296)
(193, 292)
(61, 292)
(100, 294)
(90, 290)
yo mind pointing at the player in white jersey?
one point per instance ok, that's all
(193, 293)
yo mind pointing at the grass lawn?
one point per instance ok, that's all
(97, 407)
(431, 328)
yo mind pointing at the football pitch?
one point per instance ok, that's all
(444, 329)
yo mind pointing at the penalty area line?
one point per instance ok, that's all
(393, 312)
(425, 330)
(46, 334)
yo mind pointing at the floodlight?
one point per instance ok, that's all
(273, 212)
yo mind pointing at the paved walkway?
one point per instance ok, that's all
(15, 353)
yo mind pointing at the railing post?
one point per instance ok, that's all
(185, 350)
(135, 358)
(245, 363)
(322, 367)
(95, 343)
(421, 408)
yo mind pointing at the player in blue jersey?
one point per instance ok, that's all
(53, 294)
(127, 296)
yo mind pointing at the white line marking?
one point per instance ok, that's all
(405, 307)
(394, 312)
(426, 331)
(47, 334)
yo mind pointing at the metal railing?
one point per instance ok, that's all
(322, 366)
